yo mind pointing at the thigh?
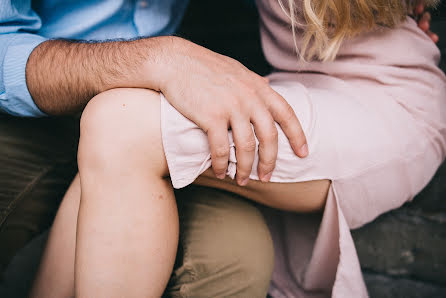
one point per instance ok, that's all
(225, 248)
(307, 196)
(37, 163)
(364, 139)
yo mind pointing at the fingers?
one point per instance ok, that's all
(262, 114)
(419, 8)
(219, 145)
(433, 36)
(232, 90)
(424, 22)
(267, 134)
(245, 145)
(284, 115)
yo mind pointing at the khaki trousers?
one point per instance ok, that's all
(225, 248)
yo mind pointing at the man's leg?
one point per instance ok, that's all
(225, 248)
(37, 163)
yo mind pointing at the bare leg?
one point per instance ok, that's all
(127, 229)
(55, 277)
(308, 196)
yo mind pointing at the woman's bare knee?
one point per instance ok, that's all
(122, 126)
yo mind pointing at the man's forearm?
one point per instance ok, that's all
(213, 91)
(62, 76)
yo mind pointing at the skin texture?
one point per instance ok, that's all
(214, 91)
(62, 76)
(127, 225)
(62, 262)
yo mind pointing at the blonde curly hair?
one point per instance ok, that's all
(328, 22)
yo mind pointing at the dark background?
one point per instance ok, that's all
(231, 28)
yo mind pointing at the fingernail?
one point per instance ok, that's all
(221, 176)
(244, 182)
(267, 177)
(304, 150)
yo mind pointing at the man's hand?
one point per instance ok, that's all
(214, 91)
(423, 19)
(217, 93)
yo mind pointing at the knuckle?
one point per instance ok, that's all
(219, 171)
(270, 93)
(287, 118)
(288, 113)
(246, 89)
(251, 92)
(210, 123)
(247, 146)
(218, 167)
(220, 152)
(218, 115)
(264, 87)
(234, 105)
(266, 169)
(271, 136)
(242, 173)
(268, 164)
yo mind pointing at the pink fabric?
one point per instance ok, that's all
(375, 120)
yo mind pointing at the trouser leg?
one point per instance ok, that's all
(225, 248)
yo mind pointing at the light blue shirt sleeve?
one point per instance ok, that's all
(17, 24)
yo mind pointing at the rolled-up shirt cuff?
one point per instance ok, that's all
(16, 99)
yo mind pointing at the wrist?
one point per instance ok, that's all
(134, 64)
(159, 66)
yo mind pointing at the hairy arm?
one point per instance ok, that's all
(62, 76)
(214, 91)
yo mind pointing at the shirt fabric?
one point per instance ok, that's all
(24, 24)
